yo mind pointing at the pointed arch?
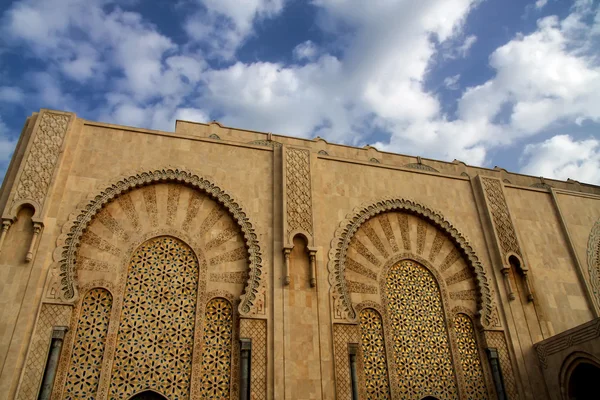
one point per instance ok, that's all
(69, 242)
(355, 219)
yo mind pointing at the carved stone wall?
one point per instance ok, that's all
(90, 340)
(192, 207)
(256, 330)
(505, 230)
(36, 175)
(158, 318)
(51, 315)
(374, 359)
(419, 335)
(496, 339)
(298, 191)
(343, 336)
(593, 259)
(372, 234)
(470, 358)
(216, 350)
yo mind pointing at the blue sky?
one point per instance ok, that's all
(489, 82)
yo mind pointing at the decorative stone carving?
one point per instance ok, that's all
(469, 356)
(39, 166)
(418, 330)
(344, 239)
(343, 335)
(216, 350)
(501, 217)
(495, 339)
(50, 315)
(374, 357)
(298, 191)
(270, 143)
(593, 259)
(256, 330)
(159, 302)
(565, 340)
(88, 351)
(74, 231)
(422, 167)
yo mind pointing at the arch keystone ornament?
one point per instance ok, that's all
(353, 222)
(69, 242)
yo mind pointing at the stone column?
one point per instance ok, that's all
(58, 336)
(246, 346)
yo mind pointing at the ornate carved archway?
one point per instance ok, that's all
(69, 241)
(360, 215)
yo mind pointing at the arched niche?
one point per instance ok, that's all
(148, 395)
(177, 208)
(579, 373)
(380, 234)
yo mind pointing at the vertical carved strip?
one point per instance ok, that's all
(403, 222)
(298, 191)
(421, 236)
(470, 360)
(149, 194)
(193, 206)
(495, 339)
(256, 330)
(88, 351)
(343, 335)
(384, 221)
(50, 315)
(216, 350)
(373, 353)
(593, 259)
(501, 216)
(41, 161)
(172, 202)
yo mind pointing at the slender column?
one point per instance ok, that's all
(313, 267)
(353, 349)
(496, 373)
(37, 228)
(58, 336)
(5, 227)
(527, 286)
(286, 265)
(509, 289)
(246, 346)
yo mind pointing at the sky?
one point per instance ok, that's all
(507, 83)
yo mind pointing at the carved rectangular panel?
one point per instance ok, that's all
(298, 191)
(343, 335)
(38, 168)
(256, 329)
(51, 315)
(496, 340)
(507, 237)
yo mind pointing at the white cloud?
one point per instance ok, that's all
(7, 146)
(539, 4)
(223, 25)
(11, 94)
(562, 157)
(463, 49)
(451, 82)
(371, 78)
(306, 51)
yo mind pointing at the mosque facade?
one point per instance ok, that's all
(221, 263)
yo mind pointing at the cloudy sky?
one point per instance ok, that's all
(489, 82)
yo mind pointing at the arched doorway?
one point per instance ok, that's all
(148, 395)
(582, 382)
